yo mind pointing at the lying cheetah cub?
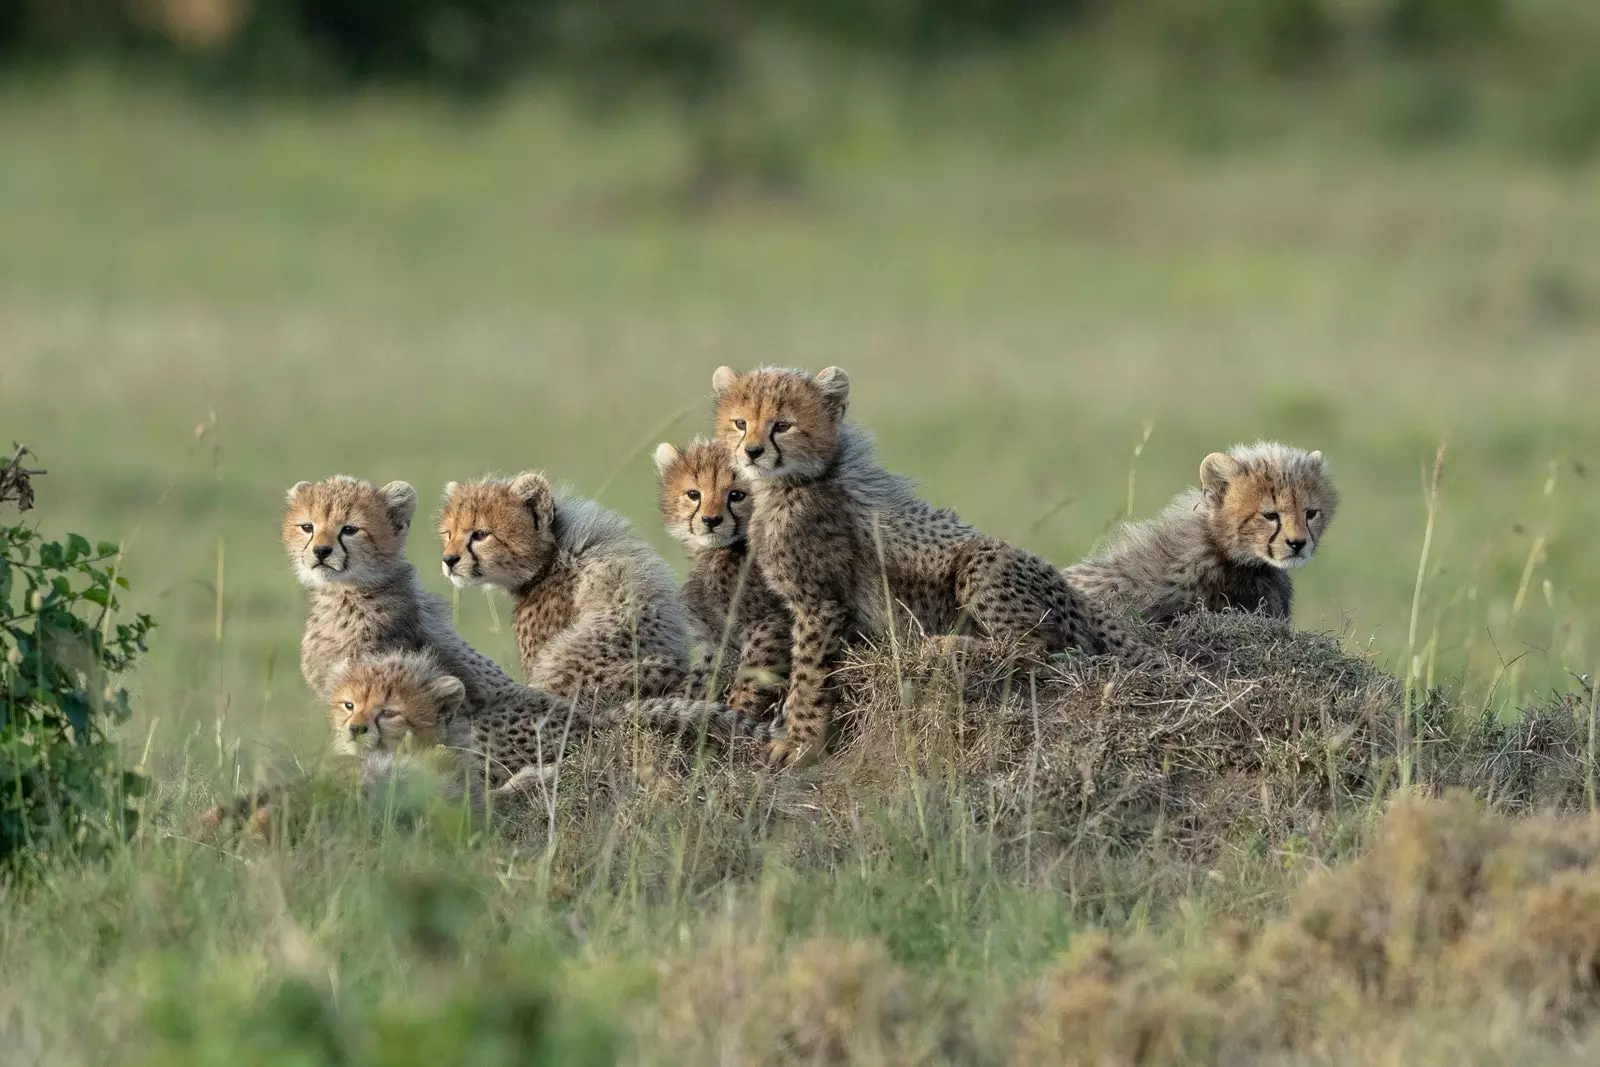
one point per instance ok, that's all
(597, 611)
(1260, 511)
(825, 516)
(733, 614)
(391, 711)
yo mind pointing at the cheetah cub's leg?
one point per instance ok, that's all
(819, 633)
(762, 667)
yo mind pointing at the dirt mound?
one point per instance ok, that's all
(1268, 731)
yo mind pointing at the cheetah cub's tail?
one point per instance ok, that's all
(682, 715)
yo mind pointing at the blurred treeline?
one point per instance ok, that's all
(482, 44)
(1425, 67)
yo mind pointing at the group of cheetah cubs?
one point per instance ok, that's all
(800, 543)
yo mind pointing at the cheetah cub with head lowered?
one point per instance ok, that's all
(732, 611)
(845, 542)
(597, 610)
(1260, 511)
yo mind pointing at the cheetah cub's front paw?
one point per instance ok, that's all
(785, 752)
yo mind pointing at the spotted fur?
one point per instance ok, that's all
(741, 626)
(372, 603)
(1261, 510)
(849, 545)
(597, 612)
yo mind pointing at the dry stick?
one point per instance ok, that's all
(1133, 466)
(1405, 723)
(1594, 706)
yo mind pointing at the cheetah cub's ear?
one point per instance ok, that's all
(400, 502)
(296, 489)
(666, 455)
(722, 380)
(1316, 458)
(1216, 471)
(834, 385)
(533, 489)
(448, 692)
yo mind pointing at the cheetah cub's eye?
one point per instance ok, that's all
(736, 495)
(780, 426)
(1270, 516)
(477, 535)
(738, 424)
(349, 531)
(308, 527)
(692, 494)
(1312, 513)
(348, 706)
(385, 714)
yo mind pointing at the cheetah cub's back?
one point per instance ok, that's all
(1261, 511)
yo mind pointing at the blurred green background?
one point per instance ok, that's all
(245, 243)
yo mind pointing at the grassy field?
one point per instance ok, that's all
(199, 307)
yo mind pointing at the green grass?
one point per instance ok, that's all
(199, 307)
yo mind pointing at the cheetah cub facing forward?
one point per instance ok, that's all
(597, 611)
(733, 613)
(1260, 511)
(844, 542)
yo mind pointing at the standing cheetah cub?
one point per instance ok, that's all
(732, 611)
(844, 542)
(1260, 511)
(597, 610)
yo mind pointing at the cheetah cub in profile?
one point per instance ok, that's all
(597, 611)
(844, 543)
(733, 614)
(1260, 511)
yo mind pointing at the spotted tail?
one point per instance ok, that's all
(682, 715)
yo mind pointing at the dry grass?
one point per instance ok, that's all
(1457, 925)
(1273, 734)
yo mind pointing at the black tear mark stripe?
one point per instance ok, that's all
(695, 514)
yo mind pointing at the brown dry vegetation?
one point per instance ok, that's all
(1270, 733)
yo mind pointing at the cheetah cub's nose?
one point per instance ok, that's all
(357, 729)
(754, 451)
(450, 562)
(1295, 544)
(711, 521)
(322, 551)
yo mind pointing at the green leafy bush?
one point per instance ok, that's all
(62, 788)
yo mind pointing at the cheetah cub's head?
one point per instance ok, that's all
(498, 532)
(343, 530)
(781, 424)
(1268, 502)
(380, 701)
(704, 502)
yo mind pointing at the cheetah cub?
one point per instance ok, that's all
(346, 539)
(844, 542)
(1260, 511)
(733, 614)
(597, 610)
(393, 711)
